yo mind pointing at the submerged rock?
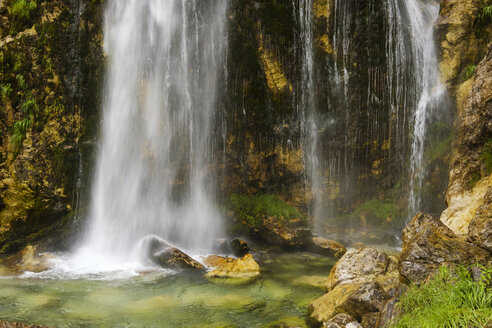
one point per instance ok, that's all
(168, 256)
(6, 324)
(227, 267)
(326, 247)
(429, 244)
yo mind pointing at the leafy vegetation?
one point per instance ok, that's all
(377, 212)
(487, 156)
(21, 127)
(21, 12)
(254, 208)
(450, 299)
(485, 14)
(470, 71)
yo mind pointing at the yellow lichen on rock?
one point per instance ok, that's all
(458, 43)
(463, 206)
(321, 9)
(227, 267)
(276, 80)
(324, 43)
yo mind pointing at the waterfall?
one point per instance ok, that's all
(430, 96)
(373, 93)
(154, 171)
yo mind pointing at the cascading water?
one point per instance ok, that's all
(431, 92)
(374, 96)
(154, 168)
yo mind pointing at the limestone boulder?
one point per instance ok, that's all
(364, 265)
(228, 267)
(342, 320)
(355, 299)
(359, 285)
(168, 256)
(278, 233)
(389, 314)
(29, 259)
(429, 244)
(326, 247)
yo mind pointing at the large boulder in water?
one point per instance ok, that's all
(359, 284)
(227, 267)
(428, 244)
(363, 265)
(168, 256)
(326, 247)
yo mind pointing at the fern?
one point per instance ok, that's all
(6, 90)
(21, 82)
(19, 132)
(470, 71)
(485, 15)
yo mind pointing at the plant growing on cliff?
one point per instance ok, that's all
(487, 156)
(470, 71)
(20, 128)
(485, 15)
(253, 208)
(450, 299)
(6, 90)
(21, 12)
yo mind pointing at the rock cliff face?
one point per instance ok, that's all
(51, 64)
(50, 67)
(466, 65)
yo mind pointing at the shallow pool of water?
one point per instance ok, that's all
(287, 284)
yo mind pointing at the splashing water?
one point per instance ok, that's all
(154, 168)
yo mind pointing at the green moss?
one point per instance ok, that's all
(474, 180)
(377, 212)
(21, 12)
(449, 299)
(487, 156)
(253, 209)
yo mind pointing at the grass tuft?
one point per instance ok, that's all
(450, 299)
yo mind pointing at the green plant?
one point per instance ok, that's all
(450, 299)
(19, 63)
(254, 208)
(487, 156)
(470, 71)
(377, 212)
(474, 180)
(19, 132)
(6, 91)
(485, 14)
(21, 82)
(21, 10)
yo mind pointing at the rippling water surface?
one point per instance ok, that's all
(167, 299)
